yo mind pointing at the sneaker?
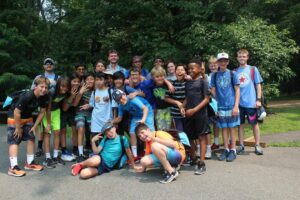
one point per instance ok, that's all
(200, 168)
(258, 150)
(231, 156)
(240, 149)
(33, 166)
(80, 158)
(39, 152)
(58, 160)
(48, 163)
(76, 168)
(169, 177)
(190, 163)
(214, 147)
(16, 171)
(67, 156)
(75, 152)
(208, 153)
(224, 155)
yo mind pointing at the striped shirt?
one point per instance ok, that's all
(178, 95)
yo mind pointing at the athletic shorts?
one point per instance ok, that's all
(173, 156)
(55, 120)
(196, 126)
(134, 122)
(25, 136)
(163, 119)
(250, 113)
(103, 168)
(226, 120)
(67, 118)
(81, 120)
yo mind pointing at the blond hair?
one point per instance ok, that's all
(158, 71)
(212, 59)
(41, 80)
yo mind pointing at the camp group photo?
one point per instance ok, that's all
(150, 99)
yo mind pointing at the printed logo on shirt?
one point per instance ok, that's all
(244, 79)
(97, 99)
(223, 82)
(159, 93)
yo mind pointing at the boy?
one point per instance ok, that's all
(113, 58)
(80, 69)
(140, 111)
(225, 87)
(162, 149)
(251, 94)
(20, 125)
(109, 153)
(49, 67)
(196, 123)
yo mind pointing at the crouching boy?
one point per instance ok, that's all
(109, 154)
(162, 149)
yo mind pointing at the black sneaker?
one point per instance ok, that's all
(190, 163)
(200, 168)
(39, 152)
(48, 163)
(168, 178)
(58, 160)
(80, 159)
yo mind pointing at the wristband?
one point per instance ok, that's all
(258, 99)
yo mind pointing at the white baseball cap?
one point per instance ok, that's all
(222, 56)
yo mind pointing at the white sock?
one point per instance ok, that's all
(48, 155)
(216, 140)
(30, 158)
(55, 153)
(80, 150)
(208, 147)
(233, 150)
(134, 151)
(13, 161)
(198, 150)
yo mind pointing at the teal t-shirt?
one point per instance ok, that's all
(112, 150)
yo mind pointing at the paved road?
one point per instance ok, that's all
(272, 176)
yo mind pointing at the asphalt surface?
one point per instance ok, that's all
(275, 175)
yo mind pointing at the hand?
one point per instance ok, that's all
(84, 107)
(187, 77)
(33, 130)
(97, 137)
(132, 95)
(258, 104)
(182, 111)
(127, 81)
(47, 128)
(18, 133)
(74, 92)
(179, 104)
(141, 121)
(83, 89)
(141, 93)
(189, 112)
(138, 168)
(171, 89)
(235, 111)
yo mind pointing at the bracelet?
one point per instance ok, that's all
(258, 99)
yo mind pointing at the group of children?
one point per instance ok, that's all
(154, 108)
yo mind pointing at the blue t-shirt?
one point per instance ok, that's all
(118, 68)
(112, 150)
(248, 92)
(225, 93)
(144, 73)
(102, 112)
(147, 87)
(134, 107)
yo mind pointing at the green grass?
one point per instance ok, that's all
(280, 120)
(286, 144)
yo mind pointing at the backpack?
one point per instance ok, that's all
(123, 158)
(13, 98)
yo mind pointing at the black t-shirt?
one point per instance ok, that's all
(159, 93)
(56, 101)
(196, 90)
(28, 103)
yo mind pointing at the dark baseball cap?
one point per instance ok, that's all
(49, 61)
(117, 95)
(106, 126)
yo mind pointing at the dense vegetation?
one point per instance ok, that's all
(72, 31)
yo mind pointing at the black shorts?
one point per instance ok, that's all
(103, 168)
(196, 126)
(25, 136)
(250, 113)
(67, 118)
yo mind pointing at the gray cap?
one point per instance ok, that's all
(106, 126)
(49, 61)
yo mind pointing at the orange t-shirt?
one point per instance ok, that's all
(164, 135)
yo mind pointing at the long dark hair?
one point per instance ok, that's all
(62, 79)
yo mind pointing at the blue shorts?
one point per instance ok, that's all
(226, 120)
(173, 156)
(250, 113)
(103, 168)
(134, 122)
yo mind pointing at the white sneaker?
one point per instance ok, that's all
(208, 153)
(68, 157)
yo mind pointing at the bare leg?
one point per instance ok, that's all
(233, 137)
(256, 133)
(47, 142)
(225, 137)
(160, 151)
(241, 134)
(202, 142)
(30, 147)
(63, 137)
(13, 150)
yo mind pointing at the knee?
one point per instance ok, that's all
(155, 147)
(84, 174)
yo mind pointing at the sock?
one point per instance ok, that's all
(40, 144)
(80, 150)
(55, 153)
(30, 158)
(227, 149)
(134, 151)
(234, 150)
(208, 147)
(48, 155)
(198, 150)
(216, 140)
(13, 161)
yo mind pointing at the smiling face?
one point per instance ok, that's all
(99, 82)
(145, 135)
(113, 58)
(90, 80)
(242, 58)
(194, 70)
(180, 72)
(99, 67)
(75, 83)
(137, 63)
(223, 63)
(41, 89)
(111, 133)
(64, 87)
(80, 71)
(119, 83)
(171, 68)
(213, 67)
(135, 77)
(159, 79)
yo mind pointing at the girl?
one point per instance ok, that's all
(171, 68)
(52, 121)
(99, 66)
